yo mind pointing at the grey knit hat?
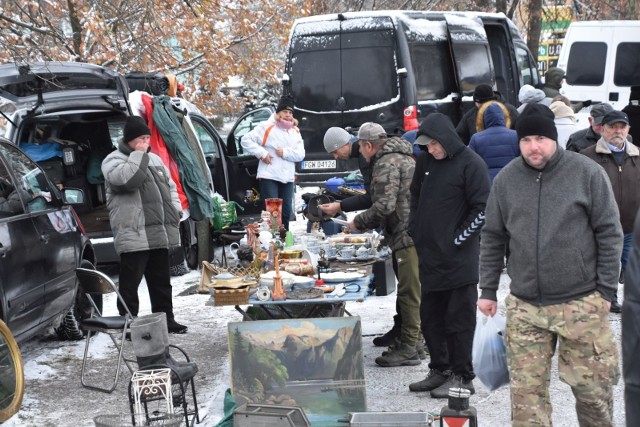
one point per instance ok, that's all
(336, 137)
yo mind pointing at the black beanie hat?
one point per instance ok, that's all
(483, 93)
(286, 103)
(536, 124)
(134, 127)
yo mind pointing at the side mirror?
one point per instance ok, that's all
(73, 196)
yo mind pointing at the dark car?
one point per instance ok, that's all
(42, 242)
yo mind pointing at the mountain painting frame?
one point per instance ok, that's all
(317, 364)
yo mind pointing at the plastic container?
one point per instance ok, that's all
(389, 419)
(252, 415)
(333, 183)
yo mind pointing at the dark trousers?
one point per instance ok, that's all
(154, 266)
(270, 189)
(448, 324)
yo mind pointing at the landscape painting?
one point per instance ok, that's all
(316, 364)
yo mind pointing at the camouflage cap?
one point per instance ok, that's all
(371, 132)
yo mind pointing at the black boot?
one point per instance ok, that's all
(390, 337)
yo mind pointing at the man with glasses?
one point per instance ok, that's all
(621, 161)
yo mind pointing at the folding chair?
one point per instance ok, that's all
(94, 282)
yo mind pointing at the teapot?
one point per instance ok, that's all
(362, 252)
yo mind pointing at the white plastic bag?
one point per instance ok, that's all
(489, 353)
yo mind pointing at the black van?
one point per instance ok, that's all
(393, 67)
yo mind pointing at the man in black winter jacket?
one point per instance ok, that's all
(587, 137)
(448, 195)
(471, 122)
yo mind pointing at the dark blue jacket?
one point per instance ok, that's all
(497, 145)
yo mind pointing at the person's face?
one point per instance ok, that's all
(286, 115)
(436, 150)
(342, 153)
(140, 143)
(537, 150)
(366, 149)
(597, 128)
(615, 133)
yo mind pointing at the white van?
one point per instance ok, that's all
(601, 60)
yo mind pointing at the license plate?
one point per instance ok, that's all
(319, 164)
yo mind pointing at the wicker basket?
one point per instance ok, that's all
(231, 296)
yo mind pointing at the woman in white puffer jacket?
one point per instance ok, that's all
(278, 144)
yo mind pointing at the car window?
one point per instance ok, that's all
(31, 182)
(206, 139)
(433, 71)
(587, 61)
(525, 64)
(247, 124)
(627, 70)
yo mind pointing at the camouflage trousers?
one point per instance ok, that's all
(587, 359)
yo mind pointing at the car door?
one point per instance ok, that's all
(471, 54)
(57, 239)
(22, 274)
(241, 167)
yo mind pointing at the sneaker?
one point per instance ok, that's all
(175, 328)
(615, 307)
(435, 378)
(454, 381)
(387, 339)
(401, 355)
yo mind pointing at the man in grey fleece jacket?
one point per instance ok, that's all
(558, 214)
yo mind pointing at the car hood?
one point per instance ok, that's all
(58, 86)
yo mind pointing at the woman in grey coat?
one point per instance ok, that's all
(144, 212)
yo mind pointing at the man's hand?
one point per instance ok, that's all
(330, 208)
(352, 226)
(280, 151)
(266, 159)
(487, 307)
(142, 146)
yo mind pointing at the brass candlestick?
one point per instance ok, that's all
(279, 293)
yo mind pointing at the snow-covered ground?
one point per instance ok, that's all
(54, 397)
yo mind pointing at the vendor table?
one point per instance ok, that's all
(328, 306)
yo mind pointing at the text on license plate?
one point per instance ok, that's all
(319, 164)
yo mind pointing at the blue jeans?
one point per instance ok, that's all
(270, 189)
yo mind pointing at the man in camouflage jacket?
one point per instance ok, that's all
(391, 173)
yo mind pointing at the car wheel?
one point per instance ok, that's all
(190, 250)
(70, 329)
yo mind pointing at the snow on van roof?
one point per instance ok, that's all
(426, 24)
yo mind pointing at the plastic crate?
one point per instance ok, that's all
(389, 419)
